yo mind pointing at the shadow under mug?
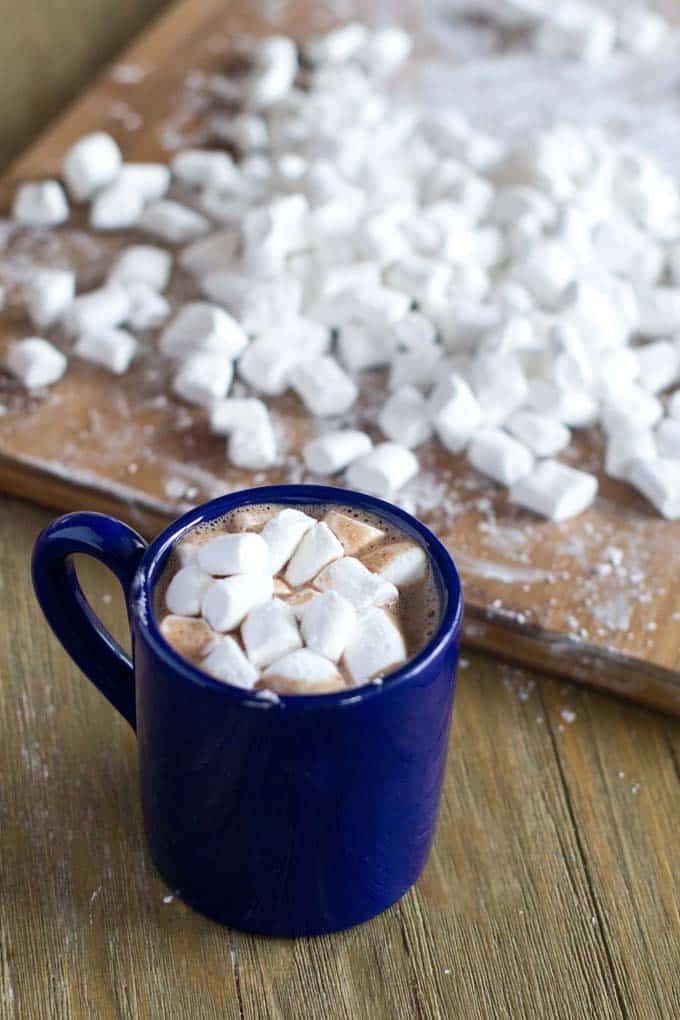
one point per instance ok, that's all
(300, 817)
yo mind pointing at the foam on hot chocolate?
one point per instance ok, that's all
(309, 599)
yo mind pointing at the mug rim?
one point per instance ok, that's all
(143, 586)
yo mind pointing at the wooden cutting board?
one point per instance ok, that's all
(593, 599)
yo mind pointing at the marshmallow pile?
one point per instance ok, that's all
(303, 606)
(509, 294)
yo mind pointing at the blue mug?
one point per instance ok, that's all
(300, 817)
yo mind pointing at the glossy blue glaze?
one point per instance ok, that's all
(296, 818)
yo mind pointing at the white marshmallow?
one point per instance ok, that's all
(544, 436)
(303, 672)
(185, 592)
(555, 490)
(351, 579)
(267, 363)
(276, 229)
(269, 632)
(572, 406)
(200, 326)
(103, 308)
(188, 635)
(253, 447)
(203, 378)
(50, 293)
(148, 308)
(316, 550)
(462, 323)
(641, 31)
(334, 451)
(275, 69)
(354, 535)
(383, 471)
(659, 481)
(624, 248)
(90, 164)
(596, 313)
(613, 371)
(35, 362)
(659, 365)
(237, 553)
(112, 349)
(259, 305)
(673, 408)
(576, 30)
(246, 131)
(142, 263)
(659, 310)
(376, 648)
(361, 347)
(226, 661)
(668, 438)
(415, 331)
(386, 49)
(632, 406)
(546, 271)
(500, 385)
(456, 413)
(404, 418)
(211, 254)
(149, 180)
(173, 222)
(283, 533)
(116, 207)
(624, 447)
(419, 367)
(327, 623)
(206, 168)
(228, 601)
(401, 563)
(338, 45)
(496, 454)
(40, 204)
(322, 386)
(226, 416)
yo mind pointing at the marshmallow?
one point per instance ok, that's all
(267, 363)
(303, 672)
(150, 181)
(189, 636)
(419, 367)
(276, 65)
(142, 263)
(199, 326)
(555, 490)
(202, 378)
(327, 623)
(211, 254)
(322, 386)
(625, 446)
(113, 349)
(299, 598)
(500, 385)
(226, 661)
(673, 408)
(414, 331)
(659, 365)
(259, 305)
(576, 30)
(623, 248)
(659, 310)
(338, 45)
(233, 413)
(354, 535)
(405, 417)
(462, 323)
(456, 413)
(641, 31)
(148, 308)
(401, 563)
(659, 481)
(361, 347)
(276, 230)
(35, 362)
(546, 271)
(544, 436)
(496, 454)
(206, 168)
(613, 371)
(351, 579)
(269, 632)
(50, 292)
(283, 533)
(185, 592)
(376, 648)
(228, 601)
(596, 313)
(632, 406)
(334, 451)
(246, 131)
(571, 406)
(90, 164)
(40, 204)
(103, 308)
(386, 49)
(383, 471)
(237, 553)
(173, 222)
(253, 447)
(316, 550)
(116, 207)
(668, 438)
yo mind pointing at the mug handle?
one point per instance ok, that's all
(68, 612)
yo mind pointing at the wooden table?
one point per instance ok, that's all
(551, 892)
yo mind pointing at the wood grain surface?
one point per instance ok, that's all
(542, 593)
(551, 892)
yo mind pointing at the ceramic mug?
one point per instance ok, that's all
(293, 818)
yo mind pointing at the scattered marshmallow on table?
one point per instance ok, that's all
(226, 661)
(103, 308)
(206, 168)
(405, 417)
(632, 405)
(173, 222)
(626, 445)
(116, 207)
(148, 308)
(543, 435)
(253, 447)
(233, 413)
(202, 378)
(40, 204)
(351, 579)
(555, 490)
(668, 438)
(227, 601)
(659, 311)
(327, 623)
(383, 471)
(420, 366)
(200, 326)
(317, 548)
(112, 349)
(90, 164)
(269, 632)
(211, 254)
(659, 481)
(50, 292)
(142, 263)
(240, 553)
(323, 387)
(496, 454)
(376, 647)
(283, 534)
(658, 365)
(35, 362)
(334, 451)
(456, 413)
